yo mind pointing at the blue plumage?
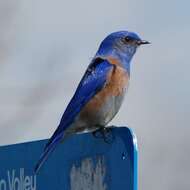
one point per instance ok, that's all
(116, 51)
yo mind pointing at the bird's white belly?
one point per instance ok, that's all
(110, 109)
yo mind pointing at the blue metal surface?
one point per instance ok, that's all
(81, 162)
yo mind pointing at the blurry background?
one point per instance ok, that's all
(45, 47)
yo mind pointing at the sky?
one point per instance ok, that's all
(45, 47)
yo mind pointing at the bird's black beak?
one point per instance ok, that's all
(142, 42)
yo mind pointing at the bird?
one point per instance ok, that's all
(100, 92)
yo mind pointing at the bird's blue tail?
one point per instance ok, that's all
(47, 151)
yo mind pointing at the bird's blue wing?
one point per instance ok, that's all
(92, 82)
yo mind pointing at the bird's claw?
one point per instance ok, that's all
(105, 133)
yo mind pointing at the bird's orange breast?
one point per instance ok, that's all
(116, 84)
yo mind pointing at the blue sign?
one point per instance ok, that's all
(81, 162)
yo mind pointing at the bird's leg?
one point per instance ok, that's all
(98, 133)
(104, 133)
(108, 135)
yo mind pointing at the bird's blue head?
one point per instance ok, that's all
(121, 45)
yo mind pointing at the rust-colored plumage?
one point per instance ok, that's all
(117, 81)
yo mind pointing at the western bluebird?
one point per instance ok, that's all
(100, 93)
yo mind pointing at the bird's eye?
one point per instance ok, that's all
(128, 39)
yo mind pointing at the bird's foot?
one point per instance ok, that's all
(105, 133)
